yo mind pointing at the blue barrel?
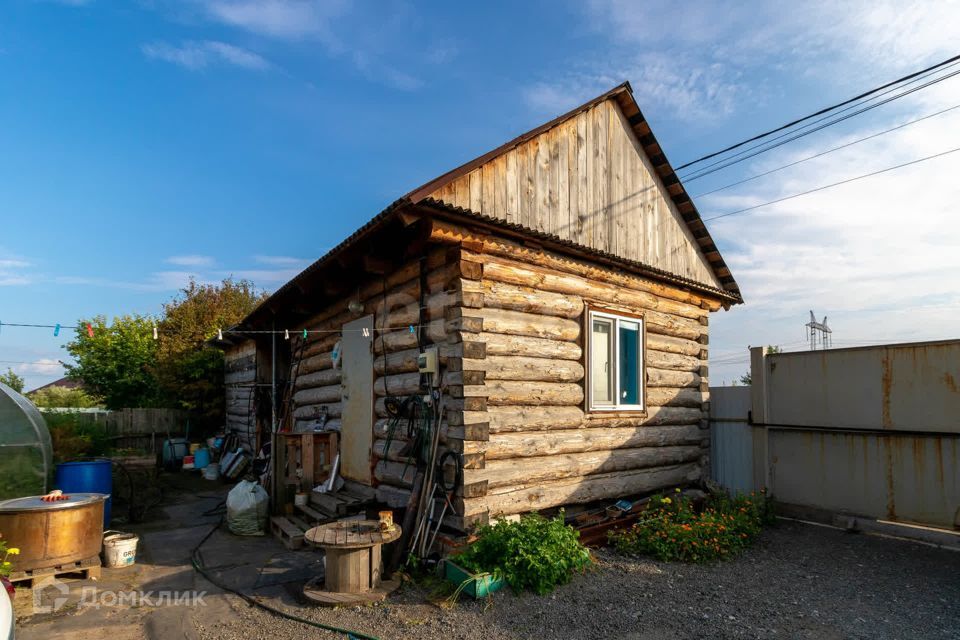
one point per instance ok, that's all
(89, 476)
(201, 458)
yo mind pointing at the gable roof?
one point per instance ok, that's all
(385, 222)
(623, 96)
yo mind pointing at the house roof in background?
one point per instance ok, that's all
(65, 383)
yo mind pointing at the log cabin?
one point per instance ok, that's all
(564, 281)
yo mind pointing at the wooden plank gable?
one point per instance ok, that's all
(587, 180)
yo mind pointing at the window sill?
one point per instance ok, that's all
(615, 411)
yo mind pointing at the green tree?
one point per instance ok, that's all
(188, 369)
(62, 397)
(747, 378)
(117, 361)
(12, 380)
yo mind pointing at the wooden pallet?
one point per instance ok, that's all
(314, 516)
(86, 569)
(287, 531)
(342, 503)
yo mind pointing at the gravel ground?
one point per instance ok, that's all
(799, 581)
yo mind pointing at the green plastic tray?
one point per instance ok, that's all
(478, 585)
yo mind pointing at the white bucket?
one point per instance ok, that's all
(211, 471)
(119, 549)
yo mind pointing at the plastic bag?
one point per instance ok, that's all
(247, 509)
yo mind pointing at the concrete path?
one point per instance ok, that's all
(162, 597)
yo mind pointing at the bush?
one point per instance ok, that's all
(63, 397)
(673, 529)
(74, 437)
(534, 553)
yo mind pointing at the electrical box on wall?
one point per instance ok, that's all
(428, 362)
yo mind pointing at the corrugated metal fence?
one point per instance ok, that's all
(871, 431)
(731, 444)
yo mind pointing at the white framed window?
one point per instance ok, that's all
(615, 368)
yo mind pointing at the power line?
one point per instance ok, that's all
(760, 149)
(820, 112)
(823, 153)
(835, 184)
(696, 172)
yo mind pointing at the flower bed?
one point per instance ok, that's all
(673, 530)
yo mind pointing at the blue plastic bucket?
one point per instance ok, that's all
(88, 476)
(201, 458)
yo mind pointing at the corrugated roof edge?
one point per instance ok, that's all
(392, 208)
(466, 214)
(640, 268)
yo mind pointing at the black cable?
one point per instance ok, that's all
(820, 112)
(760, 149)
(834, 184)
(696, 172)
(828, 151)
(458, 472)
(130, 513)
(287, 407)
(197, 562)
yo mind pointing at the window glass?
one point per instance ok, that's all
(615, 362)
(630, 362)
(601, 356)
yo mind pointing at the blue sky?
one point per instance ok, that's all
(145, 142)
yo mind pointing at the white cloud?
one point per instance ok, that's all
(42, 366)
(13, 271)
(276, 270)
(200, 55)
(261, 277)
(878, 256)
(693, 60)
(285, 261)
(369, 40)
(281, 18)
(687, 88)
(191, 260)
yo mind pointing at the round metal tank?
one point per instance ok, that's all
(52, 533)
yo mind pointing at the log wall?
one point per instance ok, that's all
(508, 320)
(528, 441)
(433, 281)
(240, 376)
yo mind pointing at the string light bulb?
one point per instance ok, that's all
(219, 334)
(286, 334)
(155, 336)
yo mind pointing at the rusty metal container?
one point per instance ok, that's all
(52, 533)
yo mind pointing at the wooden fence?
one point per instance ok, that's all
(136, 428)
